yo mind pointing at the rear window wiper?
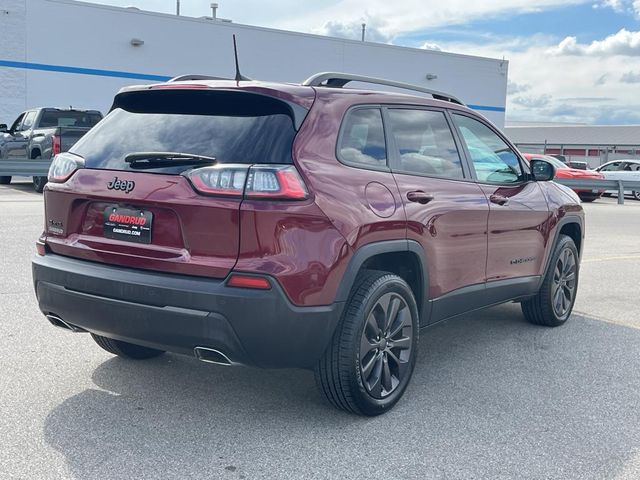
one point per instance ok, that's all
(154, 159)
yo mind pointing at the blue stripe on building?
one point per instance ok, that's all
(139, 76)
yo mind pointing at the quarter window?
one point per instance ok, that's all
(425, 143)
(362, 140)
(493, 160)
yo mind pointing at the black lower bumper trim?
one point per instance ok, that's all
(178, 313)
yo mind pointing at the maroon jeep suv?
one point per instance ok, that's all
(311, 226)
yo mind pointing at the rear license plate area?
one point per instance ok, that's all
(128, 224)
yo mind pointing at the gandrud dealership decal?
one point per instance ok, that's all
(131, 225)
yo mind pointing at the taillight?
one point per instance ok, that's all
(63, 166)
(55, 145)
(226, 180)
(278, 182)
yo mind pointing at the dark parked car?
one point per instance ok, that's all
(307, 226)
(43, 133)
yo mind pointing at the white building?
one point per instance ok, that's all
(62, 53)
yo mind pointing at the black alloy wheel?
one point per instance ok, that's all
(385, 347)
(367, 366)
(564, 282)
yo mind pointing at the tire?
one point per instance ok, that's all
(125, 349)
(636, 194)
(355, 358)
(554, 302)
(5, 180)
(39, 183)
(588, 198)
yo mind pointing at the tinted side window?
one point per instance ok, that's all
(425, 143)
(492, 158)
(631, 167)
(612, 167)
(16, 124)
(362, 139)
(29, 118)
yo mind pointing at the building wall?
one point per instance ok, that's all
(594, 157)
(13, 82)
(80, 54)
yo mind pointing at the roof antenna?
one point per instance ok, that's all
(239, 76)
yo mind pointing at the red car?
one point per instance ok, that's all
(565, 171)
(307, 225)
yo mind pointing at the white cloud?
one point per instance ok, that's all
(413, 15)
(621, 6)
(601, 80)
(561, 88)
(615, 5)
(514, 88)
(630, 77)
(431, 46)
(622, 43)
(533, 101)
(353, 30)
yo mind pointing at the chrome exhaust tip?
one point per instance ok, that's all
(211, 355)
(56, 321)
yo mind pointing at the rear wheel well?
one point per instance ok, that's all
(406, 265)
(574, 231)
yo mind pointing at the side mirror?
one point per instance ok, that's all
(541, 170)
(3, 128)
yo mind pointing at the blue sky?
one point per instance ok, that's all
(569, 60)
(582, 21)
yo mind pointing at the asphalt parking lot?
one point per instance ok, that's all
(492, 396)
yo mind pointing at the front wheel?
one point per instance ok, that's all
(369, 362)
(553, 304)
(636, 194)
(5, 180)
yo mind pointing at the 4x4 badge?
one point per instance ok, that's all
(125, 185)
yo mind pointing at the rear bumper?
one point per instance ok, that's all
(178, 313)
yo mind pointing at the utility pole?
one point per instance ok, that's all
(364, 28)
(178, 7)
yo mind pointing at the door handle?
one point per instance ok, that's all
(420, 197)
(498, 199)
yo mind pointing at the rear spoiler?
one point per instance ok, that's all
(173, 99)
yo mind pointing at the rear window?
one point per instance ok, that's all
(55, 118)
(233, 127)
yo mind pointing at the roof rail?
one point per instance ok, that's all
(185, 78)
(339, 80)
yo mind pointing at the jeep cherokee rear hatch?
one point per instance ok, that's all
(159, 182)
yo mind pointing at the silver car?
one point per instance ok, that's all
(626, 169)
